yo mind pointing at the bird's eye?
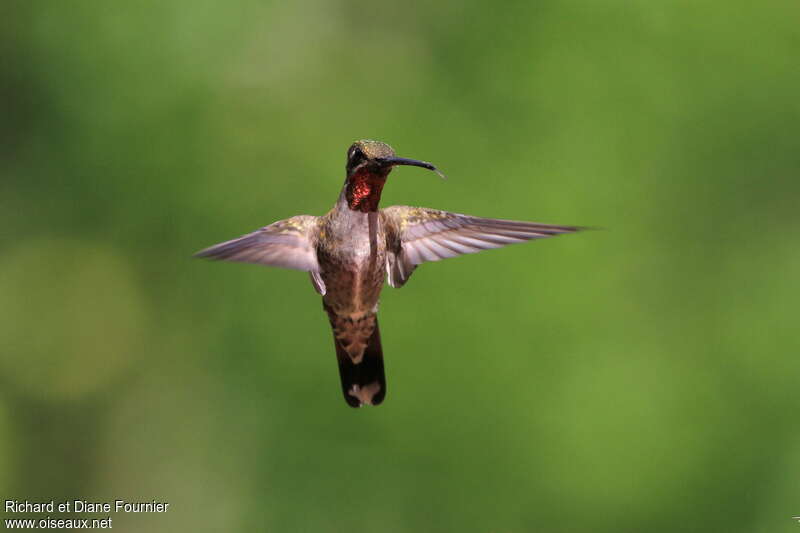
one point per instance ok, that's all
(355, 158)
(356, 154)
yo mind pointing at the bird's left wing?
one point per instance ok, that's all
(287, 243)
(416, 235)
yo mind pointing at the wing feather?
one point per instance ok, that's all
(287, 243)
(417, 235)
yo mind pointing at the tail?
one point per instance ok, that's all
(361, 372)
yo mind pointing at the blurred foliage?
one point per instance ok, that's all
(639, 378)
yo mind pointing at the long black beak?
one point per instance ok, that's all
(412, 162)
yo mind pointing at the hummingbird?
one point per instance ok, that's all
(349, 251)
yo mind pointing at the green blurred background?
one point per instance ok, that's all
(639, 378)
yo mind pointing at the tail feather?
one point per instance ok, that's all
(362, 381)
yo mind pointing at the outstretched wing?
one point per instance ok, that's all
(416, 235)
(287, 243)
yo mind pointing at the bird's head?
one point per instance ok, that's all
(368, 165)
(377, 158)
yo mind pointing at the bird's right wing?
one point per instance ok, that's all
(287, 243)
(416, 235)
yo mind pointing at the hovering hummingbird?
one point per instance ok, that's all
(350, 250)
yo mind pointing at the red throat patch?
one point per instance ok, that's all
(364, 191)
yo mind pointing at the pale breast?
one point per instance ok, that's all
(352, 258)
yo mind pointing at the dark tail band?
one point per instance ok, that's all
(363, 382)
